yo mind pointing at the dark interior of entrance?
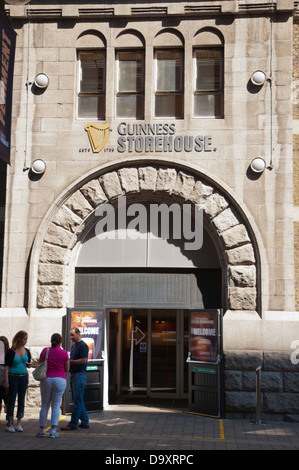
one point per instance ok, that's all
(148, 349)
(147, 326)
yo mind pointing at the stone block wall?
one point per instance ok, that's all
(279, 385)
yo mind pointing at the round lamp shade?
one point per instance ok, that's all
(258, 77)
(258, 165)
(17, 2)
(41, 80)
(38, 167)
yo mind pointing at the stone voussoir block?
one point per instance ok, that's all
(235, 236)
(147, 178)
(214, 205)
(111, 185)
(225, 220)
(241, 255)
(183, 185)
(67, 219)
(58, 236)
(78, 204)
(51, 273)
(94, 193)
(242, 298)
(242, 276)
(51, 297)
(166, 179)
(53, 254)
(199, 192)
(129, 179)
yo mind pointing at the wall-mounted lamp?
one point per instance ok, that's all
(258, 78)
(41, 80)
(17, 2)
(258, 165)
(38, 167)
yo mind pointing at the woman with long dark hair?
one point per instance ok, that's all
(17, 359)
(53, 386)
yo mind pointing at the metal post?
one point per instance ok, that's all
(258, 395)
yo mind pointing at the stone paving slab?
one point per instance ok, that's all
(118, 430)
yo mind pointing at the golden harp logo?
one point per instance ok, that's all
(98, 136)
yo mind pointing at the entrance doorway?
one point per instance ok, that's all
(148, 349)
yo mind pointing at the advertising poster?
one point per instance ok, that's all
(204, 336)
(7, 57)
(90, 324)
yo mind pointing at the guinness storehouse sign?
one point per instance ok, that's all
(148, 138)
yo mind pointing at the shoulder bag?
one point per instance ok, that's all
(40, 372)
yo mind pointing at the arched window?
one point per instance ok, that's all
(169, 74)
(91, 56)
(208, 89)
(130, 68)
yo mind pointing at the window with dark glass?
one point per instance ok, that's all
(169, 90)
(208, 82)
(91, 95)
(130, 84)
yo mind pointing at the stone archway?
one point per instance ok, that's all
(50, 283)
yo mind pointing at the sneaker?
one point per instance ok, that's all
(40, 433)
(19, 428)
(10, 429)
(53, 433)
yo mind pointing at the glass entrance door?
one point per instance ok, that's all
(163, 351)
(153, 353)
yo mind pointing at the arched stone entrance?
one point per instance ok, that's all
(52, 262)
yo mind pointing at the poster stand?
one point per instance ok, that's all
(205, 363)
(91, 325)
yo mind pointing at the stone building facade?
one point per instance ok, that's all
(196, 149)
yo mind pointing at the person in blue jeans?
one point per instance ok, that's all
(17, 359)
(78, 362)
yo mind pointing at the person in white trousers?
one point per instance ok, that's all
(53, 386)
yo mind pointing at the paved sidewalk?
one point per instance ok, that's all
(123, 428)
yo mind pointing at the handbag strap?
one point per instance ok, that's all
(47, 354)
(19, 357)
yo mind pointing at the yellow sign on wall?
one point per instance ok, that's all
(98, 136)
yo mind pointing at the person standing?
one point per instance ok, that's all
(3, 389)
(53, 386)
(78, 362)
(17, 359)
